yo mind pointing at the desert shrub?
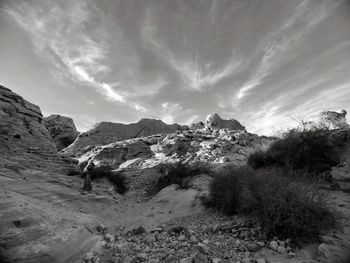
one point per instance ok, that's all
(116, 178)
(177, 173)
(285, 207)
(227, 190)
(298, 149)
(100, 172)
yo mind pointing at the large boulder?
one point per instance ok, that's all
(24, 139)
(62, 130)
(214, 121)
(108, 132)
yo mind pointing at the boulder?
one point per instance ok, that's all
(62, 130)
(24, 139)
(214, 121)
(108, 132)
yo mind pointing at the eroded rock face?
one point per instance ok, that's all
(214, 121)
(62, 130)
(108, 132)
(24, 139)
(192, 146)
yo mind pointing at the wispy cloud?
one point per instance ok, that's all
(278, 43)
(59, 33)
(197, 74)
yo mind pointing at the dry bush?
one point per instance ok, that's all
(285, 207)
(177, 173)
(228, 192)
(298, 149)
(117, 178)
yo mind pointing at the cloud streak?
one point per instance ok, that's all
(60, 34)
(278, 43)
(195, 73)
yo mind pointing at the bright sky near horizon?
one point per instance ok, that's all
(260, 62)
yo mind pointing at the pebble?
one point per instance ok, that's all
(274, 245)
(281, 249)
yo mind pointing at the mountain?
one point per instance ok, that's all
(108, 132)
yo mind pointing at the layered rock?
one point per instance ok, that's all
(24, 139)
(62, 130)
(214, 121)
(217, 146)
(108, 132)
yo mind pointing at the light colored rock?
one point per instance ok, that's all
(214, 121)
(281, 249)
(61, 129)
(324, 252)
(260, 260)
(274, 245)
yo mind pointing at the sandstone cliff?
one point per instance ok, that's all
(24, 139)
(62, 130)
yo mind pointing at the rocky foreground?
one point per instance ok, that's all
(45, 217)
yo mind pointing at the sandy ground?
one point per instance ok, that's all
(45, 218)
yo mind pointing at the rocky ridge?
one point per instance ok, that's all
(220, 145)
(62, 130)
(108, 132)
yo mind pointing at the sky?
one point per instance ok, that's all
(263, 63)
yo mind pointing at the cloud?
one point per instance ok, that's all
(168, 110)
(59, 33)
(63, 33)
(278, 43)
(196, 74)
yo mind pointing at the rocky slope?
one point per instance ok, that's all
(24, 139)
(61, 129)
(108, 132)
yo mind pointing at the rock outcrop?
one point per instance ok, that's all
(108, 132)
(62, 130)
(217, 146)
(24, 139)
(334, 120)
(214, 121)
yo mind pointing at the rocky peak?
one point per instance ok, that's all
(214, 121)
(62, 130)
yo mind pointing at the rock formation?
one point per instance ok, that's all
(62, 130)
(24, 139)
(108, 132)
(217, 146)
(334, 120)
(214, 121)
